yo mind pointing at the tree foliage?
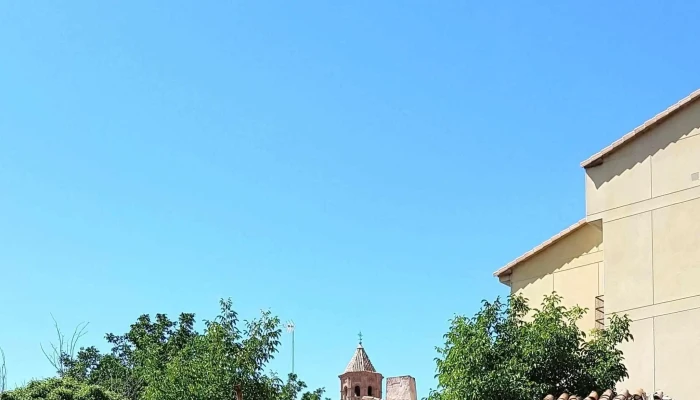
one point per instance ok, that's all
(163, 359)
(60, 389)
(508, 351)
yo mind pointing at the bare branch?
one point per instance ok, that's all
(64, 350)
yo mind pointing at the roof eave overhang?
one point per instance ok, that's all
(599, 157)
(508, 268)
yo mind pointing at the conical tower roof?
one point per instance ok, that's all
(360, 361)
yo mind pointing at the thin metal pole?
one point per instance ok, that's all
(290, 329)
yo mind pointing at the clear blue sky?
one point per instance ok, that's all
(359, 165)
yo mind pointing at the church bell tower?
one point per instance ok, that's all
(360, 379)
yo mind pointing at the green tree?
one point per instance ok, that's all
(508, 351)
(60, 389)
(165, 359)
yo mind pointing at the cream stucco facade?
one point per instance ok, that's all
(637, 250)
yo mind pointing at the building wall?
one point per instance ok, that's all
(401, 388)
(572, 267)
(647, 196)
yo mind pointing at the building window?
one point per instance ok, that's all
(600, 312)
(369, 391)
(346, 393)
(357, 391)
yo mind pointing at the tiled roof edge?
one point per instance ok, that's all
(641, 129)
(540, 247)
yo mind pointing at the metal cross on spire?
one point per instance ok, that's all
(359, 335)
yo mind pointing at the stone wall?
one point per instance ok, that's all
(401, 388)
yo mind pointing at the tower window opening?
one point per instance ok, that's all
(357, 391)
(369, 391)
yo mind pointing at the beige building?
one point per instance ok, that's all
(637, 251)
